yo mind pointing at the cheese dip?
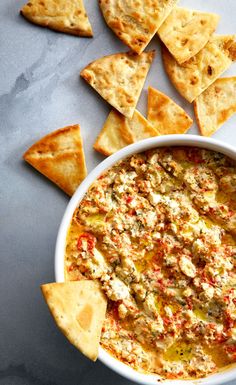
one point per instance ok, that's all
(158, 231)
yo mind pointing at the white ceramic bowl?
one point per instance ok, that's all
(168, 140)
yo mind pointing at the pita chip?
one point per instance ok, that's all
(216, 105)
(119, 132)
(185, 32)
(165, 115)
(78, 308)
(60, 157)
(136, 22)
(197, 74)
(67, 16)
(119, 78)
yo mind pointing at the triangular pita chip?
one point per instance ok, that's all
(114, 134)
(185, 32)
(119, 78)
(79, 309)
(197, 74)
(67, 16)
(119, 131)
(214, 106)
(165, 115)
(136, 22)
(60, 157)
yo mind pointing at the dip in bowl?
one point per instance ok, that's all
(155, 224)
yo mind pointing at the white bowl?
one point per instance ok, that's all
(162, 141)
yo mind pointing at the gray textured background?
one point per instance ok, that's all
(40, 90)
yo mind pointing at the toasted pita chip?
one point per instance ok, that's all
(114, 134)
(197, 74)
(67, 16)
(165, 115)
(215, 105)
(79, 309)
(60, 157)
(135, 22)
(119, 132)
(119, 78)
(185, 32)
(140, 127)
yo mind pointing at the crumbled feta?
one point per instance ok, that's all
(155, 198)
(116, 289)
(187, 267)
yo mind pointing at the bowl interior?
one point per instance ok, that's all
(163, 141)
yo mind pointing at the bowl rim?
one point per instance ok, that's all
(146, 144)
